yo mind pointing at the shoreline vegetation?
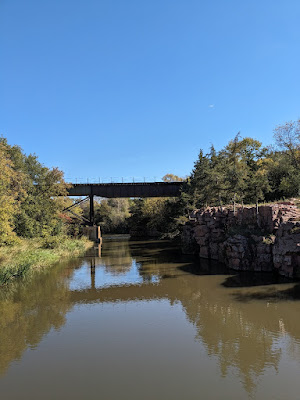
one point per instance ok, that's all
(31, 255)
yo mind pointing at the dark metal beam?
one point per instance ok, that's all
(79, 217)
(92, 212)
(117, 190)
(76, 204)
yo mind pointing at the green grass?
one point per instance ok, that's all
(35, 254)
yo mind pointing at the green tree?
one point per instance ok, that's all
(40, 208)
(198, 188)
(111, 214)
(236, 171)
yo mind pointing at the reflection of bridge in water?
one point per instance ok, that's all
(242, 336)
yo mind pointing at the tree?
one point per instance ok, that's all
(236, 170)
(253, 156)
(111, 214)
(287, 137)
(229, 175)
(283, 176)
(216, 182)
(172, 178)
(39, 195)
(198, 188)
(10, 191)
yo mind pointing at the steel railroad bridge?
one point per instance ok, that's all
(117, 190)
(121, 190)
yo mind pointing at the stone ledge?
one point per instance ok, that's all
(247, 241)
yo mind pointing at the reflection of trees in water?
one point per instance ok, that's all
(29, 309)
(155, 259)
(242, 335)
(116, 257)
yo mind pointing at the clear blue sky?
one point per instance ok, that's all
(111, 88)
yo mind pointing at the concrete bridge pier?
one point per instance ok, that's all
(93, 233)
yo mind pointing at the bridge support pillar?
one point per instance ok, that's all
(92, 211)
(93, 233)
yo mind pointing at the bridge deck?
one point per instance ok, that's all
(116, 190)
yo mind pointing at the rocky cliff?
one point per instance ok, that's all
(247, 240)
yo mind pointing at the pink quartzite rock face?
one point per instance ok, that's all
(286, 250)
(274, 242)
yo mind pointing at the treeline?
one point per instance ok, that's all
(246, 172)
(30, 196)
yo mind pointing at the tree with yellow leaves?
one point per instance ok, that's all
(10, 191)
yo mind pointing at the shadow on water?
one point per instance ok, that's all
(204, 267)
(271, 294)
(268, 286)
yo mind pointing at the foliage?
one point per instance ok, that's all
(30, 205)
(156, 216)
(244, 171)
(33, 254)
(10, 194)
(287, 137)
(172, 178)
(111, 214)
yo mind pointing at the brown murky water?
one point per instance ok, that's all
(144, 322)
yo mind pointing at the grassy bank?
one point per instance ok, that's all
(30, 255)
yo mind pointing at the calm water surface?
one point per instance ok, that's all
(140, 321)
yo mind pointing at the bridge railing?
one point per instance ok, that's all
(113, 179)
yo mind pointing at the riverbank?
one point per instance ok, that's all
(35, 254)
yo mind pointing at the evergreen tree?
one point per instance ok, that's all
(199, 190)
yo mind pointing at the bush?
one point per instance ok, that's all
(52, 242)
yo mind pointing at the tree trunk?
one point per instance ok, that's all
(234, 204)
(257, 213)
(220, 202)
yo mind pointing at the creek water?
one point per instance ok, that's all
(138, 320)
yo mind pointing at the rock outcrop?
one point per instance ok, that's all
(247, 240)
(286, 250)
